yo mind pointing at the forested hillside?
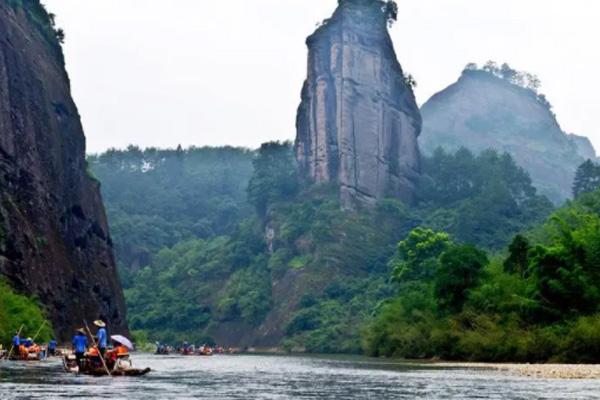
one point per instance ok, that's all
(537, 301)
(158, 198)
(293, 270)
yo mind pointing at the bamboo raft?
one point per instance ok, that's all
(121, 368)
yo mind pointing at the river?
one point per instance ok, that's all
(282, 377)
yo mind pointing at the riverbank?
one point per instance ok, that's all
(539, 371)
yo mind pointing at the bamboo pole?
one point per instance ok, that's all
(38, 331)
(13, 345)
(94, 341)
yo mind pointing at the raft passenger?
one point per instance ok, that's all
(52, 347)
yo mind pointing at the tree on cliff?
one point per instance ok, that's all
(587, 178)
(388, 7)
(391, 11)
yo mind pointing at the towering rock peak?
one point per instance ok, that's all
(484, 110)
(54, 238)
(358, 121)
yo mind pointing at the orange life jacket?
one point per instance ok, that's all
(94, 352)
(122, 351)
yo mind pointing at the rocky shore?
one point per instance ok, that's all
(541, 371)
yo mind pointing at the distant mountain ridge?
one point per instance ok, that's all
(487, 109)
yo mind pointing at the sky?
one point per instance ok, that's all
(207, 72)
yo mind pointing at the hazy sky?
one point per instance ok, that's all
(214, 72)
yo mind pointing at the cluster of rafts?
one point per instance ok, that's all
(192, 350)
(116, 360)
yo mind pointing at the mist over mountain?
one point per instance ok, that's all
(500, 108)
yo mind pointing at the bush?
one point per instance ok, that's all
(17, 310)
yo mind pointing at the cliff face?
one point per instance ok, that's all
(358, 122)
(483, 111)
(54, 238)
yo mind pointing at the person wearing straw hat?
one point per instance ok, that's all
(80, 346)
(102, 336)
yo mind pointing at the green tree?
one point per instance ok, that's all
(587, 178)
(518, 256)
(17, 310)
(484, 199)
(417, 255)
(460, 270)
(566, 273)
(274, 176)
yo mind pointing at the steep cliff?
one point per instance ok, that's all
(358, 122)
(54, 238)
(482, 110)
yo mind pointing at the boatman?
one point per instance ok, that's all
(102, 336)
(16, 340)
(80, 346)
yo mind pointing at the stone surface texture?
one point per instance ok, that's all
(358, 122)
(54, 238)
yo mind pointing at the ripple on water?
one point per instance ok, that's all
(282, 377)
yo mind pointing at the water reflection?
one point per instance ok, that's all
(278, 377)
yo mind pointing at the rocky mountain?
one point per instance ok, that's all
(491, 108)
(54, 239)
(358, 122)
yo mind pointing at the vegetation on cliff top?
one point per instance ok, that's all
(44, 20)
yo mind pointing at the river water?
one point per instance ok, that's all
(281, 377)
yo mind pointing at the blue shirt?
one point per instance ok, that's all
(80, 343)
(52, 345)
(16, 341)
(102, 339)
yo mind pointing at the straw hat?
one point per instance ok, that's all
(99, 323)
(81, 330)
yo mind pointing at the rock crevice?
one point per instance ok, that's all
(358, 121)
(54, 240)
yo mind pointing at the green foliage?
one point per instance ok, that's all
(45, 21)
(459, 271)
(484, 199)
(158, 198)
(17, 310)
(194, 258)
(587, 178)
(274, 177)
(540, 303)
(567, 272)
(330, 322)
(417, 255)
(522, 79)
(518, 259)
(247, 295)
